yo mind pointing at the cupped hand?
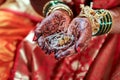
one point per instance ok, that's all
(80, 28)
(54, 23)
(56, 34)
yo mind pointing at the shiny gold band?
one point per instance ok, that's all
(51, 6)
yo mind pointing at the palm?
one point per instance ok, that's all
(80, 28)
(49, 27)
(56, 35)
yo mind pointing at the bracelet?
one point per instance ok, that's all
(51, 6)
(101, 20)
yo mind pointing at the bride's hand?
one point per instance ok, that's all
(80, 28)
(56, 22)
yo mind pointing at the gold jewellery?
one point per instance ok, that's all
(51, 6)
(101, 20)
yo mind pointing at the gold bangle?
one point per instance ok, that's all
(60, 7)
(101, 20)
(51, 6)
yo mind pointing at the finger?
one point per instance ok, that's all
(57, 21)
(81, 29)
(61, 54)
(41, 42)
(86, 34)
(80, 46)
(44, 27)
(74, 27)
(43, 45)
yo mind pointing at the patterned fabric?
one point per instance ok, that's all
(100, 61)
(97, 59)
(30, 64)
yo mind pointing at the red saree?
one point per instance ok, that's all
(14, 27)
(100, 61)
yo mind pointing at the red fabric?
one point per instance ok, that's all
(102, 65)
(106, 4)
(14, 27)
(97, 4)
(100, 61)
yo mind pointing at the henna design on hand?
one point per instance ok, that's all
(53, 24)
(57, 21)
(56, 35)
(81, 29)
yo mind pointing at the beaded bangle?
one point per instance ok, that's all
(101, 20)
(51, 6)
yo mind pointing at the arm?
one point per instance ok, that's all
(39, 4)
(81, 28)
(116, 20)
(75, 33)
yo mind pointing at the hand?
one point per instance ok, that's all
(54, 34)
(80, 28)
(56, 22)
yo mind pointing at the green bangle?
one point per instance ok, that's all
(101, 20)
(54, 5)
(105, 22)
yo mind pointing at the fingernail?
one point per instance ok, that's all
(57, 56)
(40, 44)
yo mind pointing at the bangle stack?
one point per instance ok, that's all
(101, 20)
(52, 6)
(105, 21)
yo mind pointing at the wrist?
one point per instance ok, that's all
(115, 13)
(52, 6)
(63, 12)
(101, 20)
